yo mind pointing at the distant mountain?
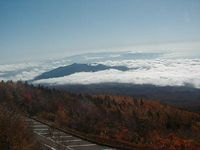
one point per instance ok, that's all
(74, 68)
(180, 96)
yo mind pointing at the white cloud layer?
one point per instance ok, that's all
(29, 70)
(161, 72)
(165, 70)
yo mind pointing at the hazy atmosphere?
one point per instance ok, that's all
(156, 40)
(40, 29)
(99, 74)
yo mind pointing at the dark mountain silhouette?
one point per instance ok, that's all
(74, 68)
(184, 97)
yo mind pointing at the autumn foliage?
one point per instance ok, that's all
(132, 123)
(15, 134)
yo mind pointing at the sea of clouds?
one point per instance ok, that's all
(160, 71)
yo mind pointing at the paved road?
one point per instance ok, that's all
(54, 139)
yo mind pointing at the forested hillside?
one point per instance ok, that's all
(15, 134)
(130, 122)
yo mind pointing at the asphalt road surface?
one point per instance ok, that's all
(53, 139)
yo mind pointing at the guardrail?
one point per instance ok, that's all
(100, 141)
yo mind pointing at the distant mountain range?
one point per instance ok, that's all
(183, 97)
(75, 68)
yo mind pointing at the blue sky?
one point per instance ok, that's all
(36, 29)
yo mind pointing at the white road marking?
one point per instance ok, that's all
(62, 136)
(51, 140)
(40, 125)
(41, 133)
(49, 147)
(83, 145)
(64, 141)
(59, 137)
(41, 129)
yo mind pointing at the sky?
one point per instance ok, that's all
(40, 29)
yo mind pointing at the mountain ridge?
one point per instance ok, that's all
(75, 68)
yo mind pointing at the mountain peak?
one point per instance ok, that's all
(75, 68)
